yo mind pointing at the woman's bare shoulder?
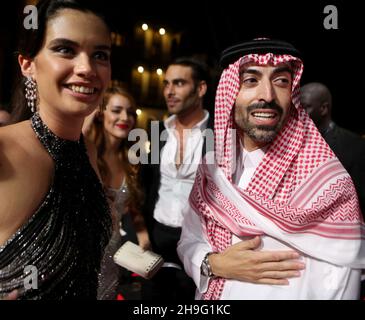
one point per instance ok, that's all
(15, 139)
(19, 150)
(25, 176)
(15, 131)
(10, 158)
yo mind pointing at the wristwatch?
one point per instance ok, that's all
(205, 268)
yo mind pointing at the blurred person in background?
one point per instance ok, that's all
(168, 183)
(108, 129)
(348, 146)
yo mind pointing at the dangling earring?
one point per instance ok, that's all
(31, 93)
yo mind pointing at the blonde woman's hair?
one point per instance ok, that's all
(97, 135)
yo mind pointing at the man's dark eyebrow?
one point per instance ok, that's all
(178, 80)
(68, 42)
(283, 69)
(252, 71)
(258, 73)
(174, 80)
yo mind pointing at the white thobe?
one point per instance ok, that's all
(319, 279)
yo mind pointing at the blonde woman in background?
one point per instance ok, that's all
(108, 129)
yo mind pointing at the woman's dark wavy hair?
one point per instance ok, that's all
(31, 42)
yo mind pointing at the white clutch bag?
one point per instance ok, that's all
(143, 262)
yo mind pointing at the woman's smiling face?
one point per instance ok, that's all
(72, 69)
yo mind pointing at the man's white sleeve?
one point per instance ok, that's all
(192, 248)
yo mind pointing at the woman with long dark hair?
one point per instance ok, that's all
(54, 217)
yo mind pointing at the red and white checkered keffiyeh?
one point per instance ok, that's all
(299, 194)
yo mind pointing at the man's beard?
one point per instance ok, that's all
(261, 133)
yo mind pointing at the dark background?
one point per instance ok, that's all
(334, 57)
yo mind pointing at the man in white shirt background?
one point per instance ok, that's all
(168, 183)
(281, 219)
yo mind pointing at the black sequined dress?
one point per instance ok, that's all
(63, 242)
(110, 272)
